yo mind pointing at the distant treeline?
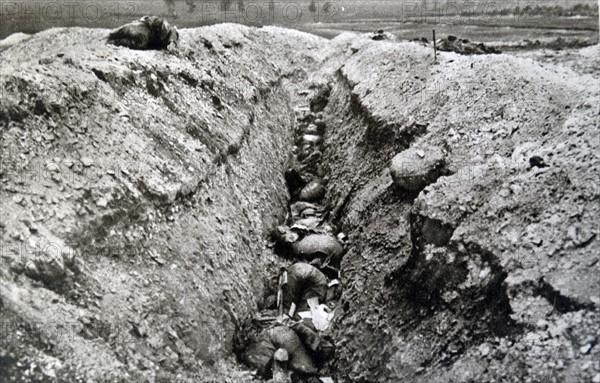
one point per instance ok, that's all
(550, 10)
(227, 5)
(442, 6)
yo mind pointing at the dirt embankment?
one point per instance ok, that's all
(138, 188)
(137, 191)
(490, 273)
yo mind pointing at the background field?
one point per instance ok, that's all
(481, 21)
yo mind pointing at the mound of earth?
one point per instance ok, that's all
(13, 39)
(490, 272)
(139, 189)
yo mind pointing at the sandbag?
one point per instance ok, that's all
(319, 245)
(312, 192)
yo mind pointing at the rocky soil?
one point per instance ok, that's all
(139, 190)
(490, 272)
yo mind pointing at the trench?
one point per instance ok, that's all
(395, 276)
(309, 246)
(315, 234)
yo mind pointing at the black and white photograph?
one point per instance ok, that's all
(299, 191)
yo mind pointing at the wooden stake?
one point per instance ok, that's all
(434, 48)
(282, 282)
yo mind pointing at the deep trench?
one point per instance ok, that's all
(312, 212)
(308, 219)
(306, 178)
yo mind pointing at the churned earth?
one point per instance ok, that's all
(139, 190)
(490, 272)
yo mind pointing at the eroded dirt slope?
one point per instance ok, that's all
(490, 273)
(137, 191)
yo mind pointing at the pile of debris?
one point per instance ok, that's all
(464, 46)
(290, 339)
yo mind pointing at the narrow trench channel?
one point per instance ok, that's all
(290, 339)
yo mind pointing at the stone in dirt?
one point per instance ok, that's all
(87, 162)
(537, 161)
(415, 168)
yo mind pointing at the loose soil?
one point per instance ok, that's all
(139, 190)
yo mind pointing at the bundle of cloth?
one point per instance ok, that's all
(149, 32)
